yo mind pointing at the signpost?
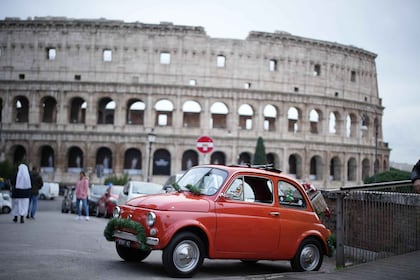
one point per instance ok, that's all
(204, 145)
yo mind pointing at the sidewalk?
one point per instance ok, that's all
(401, 267)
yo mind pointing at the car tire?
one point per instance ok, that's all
(309, 256)
(6, 210)
(131, 254)
(184, 255)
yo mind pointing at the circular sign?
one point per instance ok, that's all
(205, 144)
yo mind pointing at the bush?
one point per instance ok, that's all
(389, 176)
(115, 180)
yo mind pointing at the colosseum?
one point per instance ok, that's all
(111, 97)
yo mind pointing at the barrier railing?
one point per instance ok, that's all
(375, 221)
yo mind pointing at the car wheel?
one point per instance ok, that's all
(6, 210)
(184, 255)
(131, 254)
(308, 257)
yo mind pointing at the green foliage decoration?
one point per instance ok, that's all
(116, 223)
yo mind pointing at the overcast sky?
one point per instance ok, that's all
(389, 28)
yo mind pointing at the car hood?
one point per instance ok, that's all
(172, 202)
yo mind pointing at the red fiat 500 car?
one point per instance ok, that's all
(222, 212)
(108, 201)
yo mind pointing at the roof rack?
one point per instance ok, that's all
(268, 167)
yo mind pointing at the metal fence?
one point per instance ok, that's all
(376, 221)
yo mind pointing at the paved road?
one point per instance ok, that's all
(56, 246)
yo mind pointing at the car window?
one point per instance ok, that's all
(116, 189)
(146, 188)
(290, 195)
(207, 180)
(251, 189)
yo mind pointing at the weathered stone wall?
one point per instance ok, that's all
(345, 85)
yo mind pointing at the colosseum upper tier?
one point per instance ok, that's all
(111, 97)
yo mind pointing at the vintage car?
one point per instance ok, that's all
(108, 201)
(222, 212)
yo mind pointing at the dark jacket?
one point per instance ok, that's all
(415, 173)
(36, 182)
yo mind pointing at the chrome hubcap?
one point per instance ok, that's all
(186, 256)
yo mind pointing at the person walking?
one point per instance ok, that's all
(21, 193)
(37, 183)
(82, 194)
(415, 177)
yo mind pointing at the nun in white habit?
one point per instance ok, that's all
(21, 193)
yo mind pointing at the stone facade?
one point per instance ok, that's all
(85, 94)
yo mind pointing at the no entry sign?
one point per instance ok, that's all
(205, 144)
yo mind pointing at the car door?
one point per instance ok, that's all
(247, 218)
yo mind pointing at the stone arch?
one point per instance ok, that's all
(219, 112)
(365, 168)
(75, 159)
(191, 113)
(295, 166)
(48, 110)
(21, 109)
(335, 169)
(189, 159)
(218, 157)
(316, 167)
(244, 158)
(135, 111)
(106, 111)
(133, 161)
(351, 169)
(77, 112)
(270, 116)
(246, 114)
(104, 160)
(161, 162)
(164, 110)
(293, 117)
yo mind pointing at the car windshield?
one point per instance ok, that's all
(116, 189)
(98, 189)
(207, 179)
(146, 188)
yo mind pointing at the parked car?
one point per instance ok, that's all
(5, 202)
(168, 186)
(96, 191)
(138, 188)
(49, 190)
(67, 203)
(222, 212)
(108, 201)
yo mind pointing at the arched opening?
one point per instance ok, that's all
(77, 110)
(189, 159)
(191, 114)
(135, 112)
(132, 162)
(161, 162)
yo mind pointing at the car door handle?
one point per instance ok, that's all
(275, 214)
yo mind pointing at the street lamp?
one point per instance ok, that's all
(151, 137)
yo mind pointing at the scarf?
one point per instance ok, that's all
(23, 180)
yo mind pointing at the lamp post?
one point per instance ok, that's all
(151, 137)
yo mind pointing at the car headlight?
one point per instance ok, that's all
(116, 212)
(151, 219)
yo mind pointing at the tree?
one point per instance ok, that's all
(260, 156)
(115, 180)
(389, 176)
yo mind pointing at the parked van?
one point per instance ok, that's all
(49, 191)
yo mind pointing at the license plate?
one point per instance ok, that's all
(125, 243)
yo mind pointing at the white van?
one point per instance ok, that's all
(49, 191)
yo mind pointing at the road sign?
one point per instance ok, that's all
(205, 144)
